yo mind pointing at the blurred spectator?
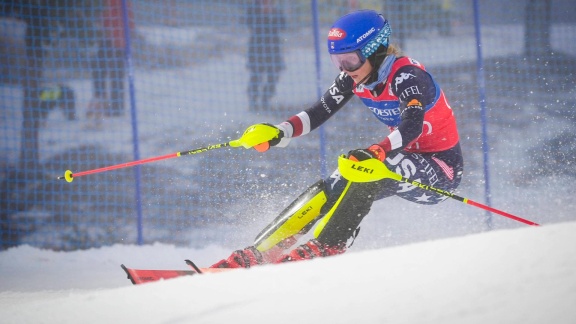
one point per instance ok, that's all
(108, 67)
(445, 17)
(53, 96)
(537, 29)
(265, 57)
(36, 17)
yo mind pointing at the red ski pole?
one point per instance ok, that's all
(254, 135)
(467, 201)
(69, 176)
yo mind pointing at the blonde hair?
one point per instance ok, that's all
(394, 49)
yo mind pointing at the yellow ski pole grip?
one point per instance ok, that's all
(256, 134)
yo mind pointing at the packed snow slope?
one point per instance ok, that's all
(523, 275)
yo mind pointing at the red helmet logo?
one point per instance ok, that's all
(336, 34)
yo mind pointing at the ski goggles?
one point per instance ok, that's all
(350, 61)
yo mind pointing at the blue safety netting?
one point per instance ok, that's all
(90, 84)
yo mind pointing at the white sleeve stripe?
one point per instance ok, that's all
(395, 139)
(286, 127)
(305, 122)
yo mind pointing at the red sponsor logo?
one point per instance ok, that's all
(336, 34)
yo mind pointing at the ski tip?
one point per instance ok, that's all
(128, 274)
(193, 265)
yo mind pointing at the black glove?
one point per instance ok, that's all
(373, 152)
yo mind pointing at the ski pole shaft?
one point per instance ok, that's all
(69, 176)
(373, 170)
(254, 135)
(467, 201)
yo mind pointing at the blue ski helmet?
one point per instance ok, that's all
(363, 30)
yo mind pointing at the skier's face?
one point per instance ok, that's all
(353, 63)
(359, 74)
(350, 61)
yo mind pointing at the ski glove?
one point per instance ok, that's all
(373, 152)
(279, 140)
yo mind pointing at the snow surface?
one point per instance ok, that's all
(524, 275)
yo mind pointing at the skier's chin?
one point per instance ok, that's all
(356, 78)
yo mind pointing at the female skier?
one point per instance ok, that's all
(422, 145)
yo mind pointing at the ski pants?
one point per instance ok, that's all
(347, 208)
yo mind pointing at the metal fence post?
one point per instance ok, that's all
(482, 98)
(132, 95)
